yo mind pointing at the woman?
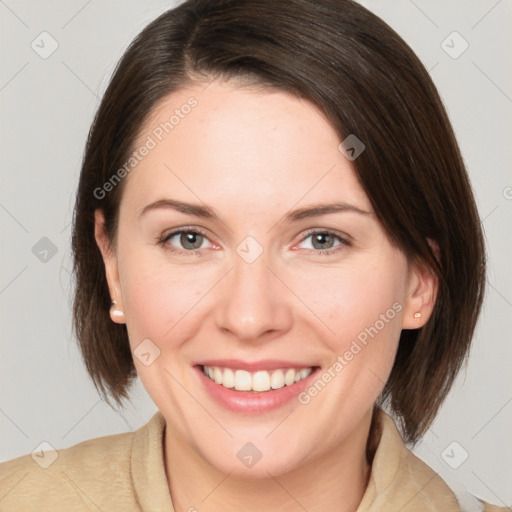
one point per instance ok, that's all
(275, 231)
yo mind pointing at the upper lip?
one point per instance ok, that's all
(266, 364)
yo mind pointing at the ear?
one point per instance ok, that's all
(422, 291)
(111, 270)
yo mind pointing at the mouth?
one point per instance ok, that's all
(254, 390)
(259, 381)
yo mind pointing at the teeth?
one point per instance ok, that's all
(258, 381)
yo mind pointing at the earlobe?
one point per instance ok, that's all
(116, 314)
(111, 271)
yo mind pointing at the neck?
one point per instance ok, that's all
(336, 480)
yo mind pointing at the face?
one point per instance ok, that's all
(294, 313)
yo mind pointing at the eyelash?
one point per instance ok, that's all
(197, 252)
(165, 238)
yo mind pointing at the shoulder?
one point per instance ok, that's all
(445, 490)
(76, 477)
(493, 508)
(437, 488)
(406, 481)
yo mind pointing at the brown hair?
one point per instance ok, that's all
(368, 82)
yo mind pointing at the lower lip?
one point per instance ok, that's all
(253, 403)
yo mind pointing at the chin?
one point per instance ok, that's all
(263, 468)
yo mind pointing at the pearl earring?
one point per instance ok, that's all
(114, 312)
(417, 315)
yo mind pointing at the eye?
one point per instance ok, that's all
(323, 241)
(191, 241)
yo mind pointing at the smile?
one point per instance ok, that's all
(254, 388)
(258, 381)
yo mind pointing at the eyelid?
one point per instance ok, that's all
(345, 239)
(166, 236)
(343, 236)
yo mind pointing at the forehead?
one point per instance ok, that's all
(226, 142)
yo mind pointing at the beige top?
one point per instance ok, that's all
(125, 472)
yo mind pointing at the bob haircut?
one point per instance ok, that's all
(368, 82)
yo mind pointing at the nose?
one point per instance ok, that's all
(253, 305)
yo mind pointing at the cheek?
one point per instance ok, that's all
(362, 312)
(358, 317)
(157, 299)
(350, 300)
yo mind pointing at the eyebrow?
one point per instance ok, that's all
(207, 212)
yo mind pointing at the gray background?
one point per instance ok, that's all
(47, 105)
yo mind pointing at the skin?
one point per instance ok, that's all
(253, 156)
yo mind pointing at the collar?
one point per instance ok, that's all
(398, 480)
(147, 463)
